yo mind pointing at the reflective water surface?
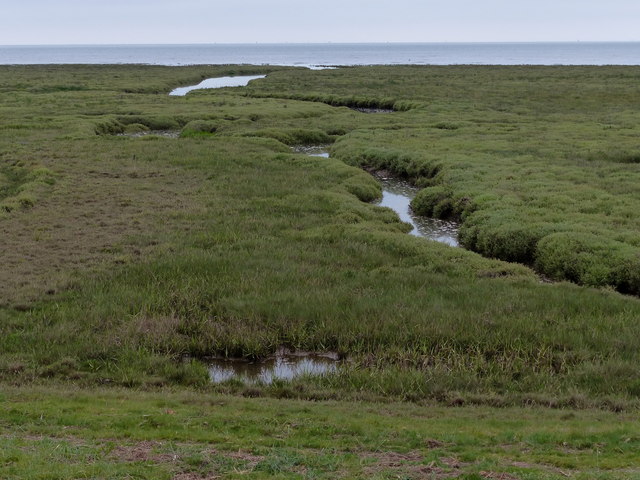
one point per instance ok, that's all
(313, 150)
(397, 195)
(372, 110)
(284, 365)
(219, 82)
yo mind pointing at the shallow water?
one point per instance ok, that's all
(219, 82)
(313, 150)
(282, 366)
(397, 195)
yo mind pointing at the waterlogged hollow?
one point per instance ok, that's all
(284, 365)
(397, 195)
(219, 82)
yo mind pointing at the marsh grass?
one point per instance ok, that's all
(223, 241)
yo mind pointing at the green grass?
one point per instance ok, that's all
(58, 434)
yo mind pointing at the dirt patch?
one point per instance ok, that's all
(498, 476)
(250, 459)
(142, 452)
(433, 444)
(539, 466)
(194, 476)
(411, 465)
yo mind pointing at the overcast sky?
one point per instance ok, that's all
(28, 22)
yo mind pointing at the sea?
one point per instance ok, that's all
(332, 54)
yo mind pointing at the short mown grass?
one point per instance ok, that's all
(69, 433)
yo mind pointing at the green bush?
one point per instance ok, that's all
(583, 258)
(433, 202)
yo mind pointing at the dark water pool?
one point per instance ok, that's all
(284, 365)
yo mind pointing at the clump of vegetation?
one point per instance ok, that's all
(199, 127)
(21, 187)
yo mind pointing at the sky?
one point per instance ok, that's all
(43, 22)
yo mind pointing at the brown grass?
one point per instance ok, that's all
(94, 215)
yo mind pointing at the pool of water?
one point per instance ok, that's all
(219, 82)
(284, 365)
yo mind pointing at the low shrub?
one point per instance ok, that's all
(586, 259)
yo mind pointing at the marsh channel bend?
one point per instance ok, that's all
(397, 195)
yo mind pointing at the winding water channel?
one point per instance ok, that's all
(397, 195)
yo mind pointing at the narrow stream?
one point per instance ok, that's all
(219, 82)
(397, 195)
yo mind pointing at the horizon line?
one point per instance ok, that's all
(514, 42)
